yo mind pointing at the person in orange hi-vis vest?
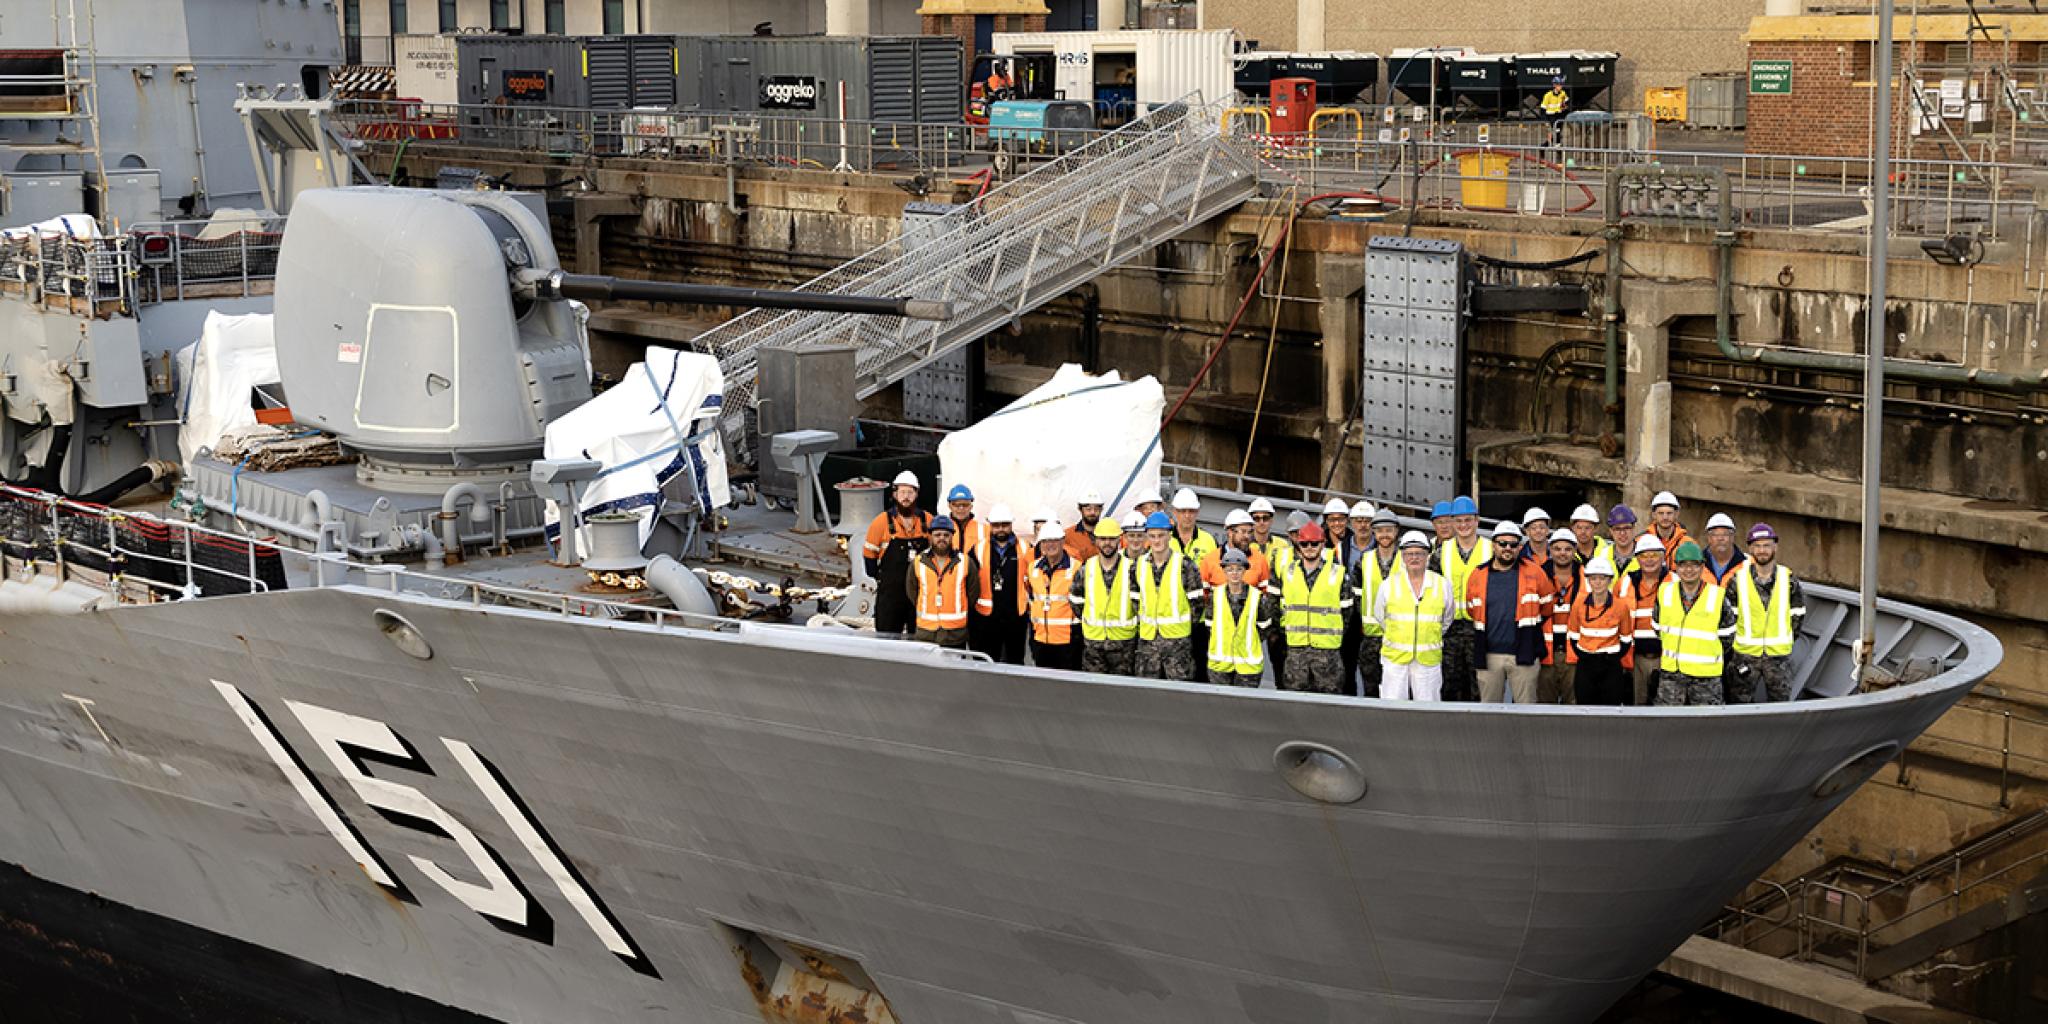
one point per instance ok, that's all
(941, 586)
(895, 535)
(1600, 637)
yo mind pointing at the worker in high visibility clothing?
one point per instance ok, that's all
(1600, 628)
(1642, 583)
(1769, 606)
(1664, 524)
(1457, 559)
(1263, 541)
(1315, 602)
(1585, 527)
(1358, 540)
(1134, 533)
(1441, 519)
(1001, 562)
(1414, 610)
(896, 534)
(1368, 578)
(1336, 526)
(1283, 554)
(968, 531)
(1536, 535)
(941, 587)
(1106, 592)
(1621, 536)
(1722, 556)
(1081, 536)
(1237, 536)
(1241, 618)
(1696, 623)
(1557, 682)
(1049, 594)
(1169, 597)
(1357, 544)
(1509, 602)
(1189, 539)
(1280, 552)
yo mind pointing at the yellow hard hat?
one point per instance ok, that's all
(1107, 527)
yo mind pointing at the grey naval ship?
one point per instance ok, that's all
(353, 699)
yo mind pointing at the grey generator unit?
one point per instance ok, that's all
(887, 78)
(577, 72)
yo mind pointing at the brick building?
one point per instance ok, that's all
(1957, 92)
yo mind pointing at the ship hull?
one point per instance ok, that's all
(987, 844)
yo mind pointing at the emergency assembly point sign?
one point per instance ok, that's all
(1770, 77)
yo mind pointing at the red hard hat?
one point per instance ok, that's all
(1311, 532)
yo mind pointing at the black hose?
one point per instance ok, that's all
(50, 475)
(127, 482)
(1558, 264)
(602, 288)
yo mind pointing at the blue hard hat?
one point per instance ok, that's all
(942, 523)
(959, 493)
(1440, 510)
(1158, 521)
(1464, 506)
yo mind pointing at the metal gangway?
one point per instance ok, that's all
(1033, 239)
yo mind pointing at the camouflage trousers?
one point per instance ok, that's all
(1111, 657)
(1369, 666)
(1461, 678)
(1314, 670)
(1165, 658)
(1676, 689)
(1745, 671)
(1221, 678)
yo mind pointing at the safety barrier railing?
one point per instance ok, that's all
(89, 275)
(1844, 925)
(179, 259)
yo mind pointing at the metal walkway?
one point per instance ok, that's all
(1030, 241)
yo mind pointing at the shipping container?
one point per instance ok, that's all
(1719, 100)
(1126, 74)
(425, 68)
(1341, 76)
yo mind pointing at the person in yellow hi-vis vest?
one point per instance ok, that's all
(1104, 591)
(1169, 591)
(1240, 617)
(1414, 611)
(1375, 567)
(1316, 603)
(1456, 559)
(1769, 606)
(1696, 624)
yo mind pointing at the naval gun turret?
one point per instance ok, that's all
(432, 333)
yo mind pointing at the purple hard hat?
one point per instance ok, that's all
(1762, 531)
(1622, 515)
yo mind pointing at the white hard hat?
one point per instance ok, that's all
(1535, 512)
(906, 479)
(1001, 514)
(1133, 520)
(1090, 498)
(1185, 498)
(1648, 542)
(1237, 517)
(1507, 528)
(1361, 510)
(1585, 514)
(1336, 507)
(1601, 565)
(1045, 514)
(1664, 498)
(1052, 530)
(1414, 539)
(1720, 520)
(1262, 505)
(1150, 495)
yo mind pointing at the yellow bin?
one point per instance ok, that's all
(1664, 103)
(1483, 181)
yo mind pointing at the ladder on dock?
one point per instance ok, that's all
(1037, 237)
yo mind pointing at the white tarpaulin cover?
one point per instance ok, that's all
(69, 225)
(233, 356)
(1077, 432)
(658, 423)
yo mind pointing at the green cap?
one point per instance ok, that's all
(1689, 552)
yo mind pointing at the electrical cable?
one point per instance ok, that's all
(1272, 343)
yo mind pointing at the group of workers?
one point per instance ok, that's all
(1352, 604)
